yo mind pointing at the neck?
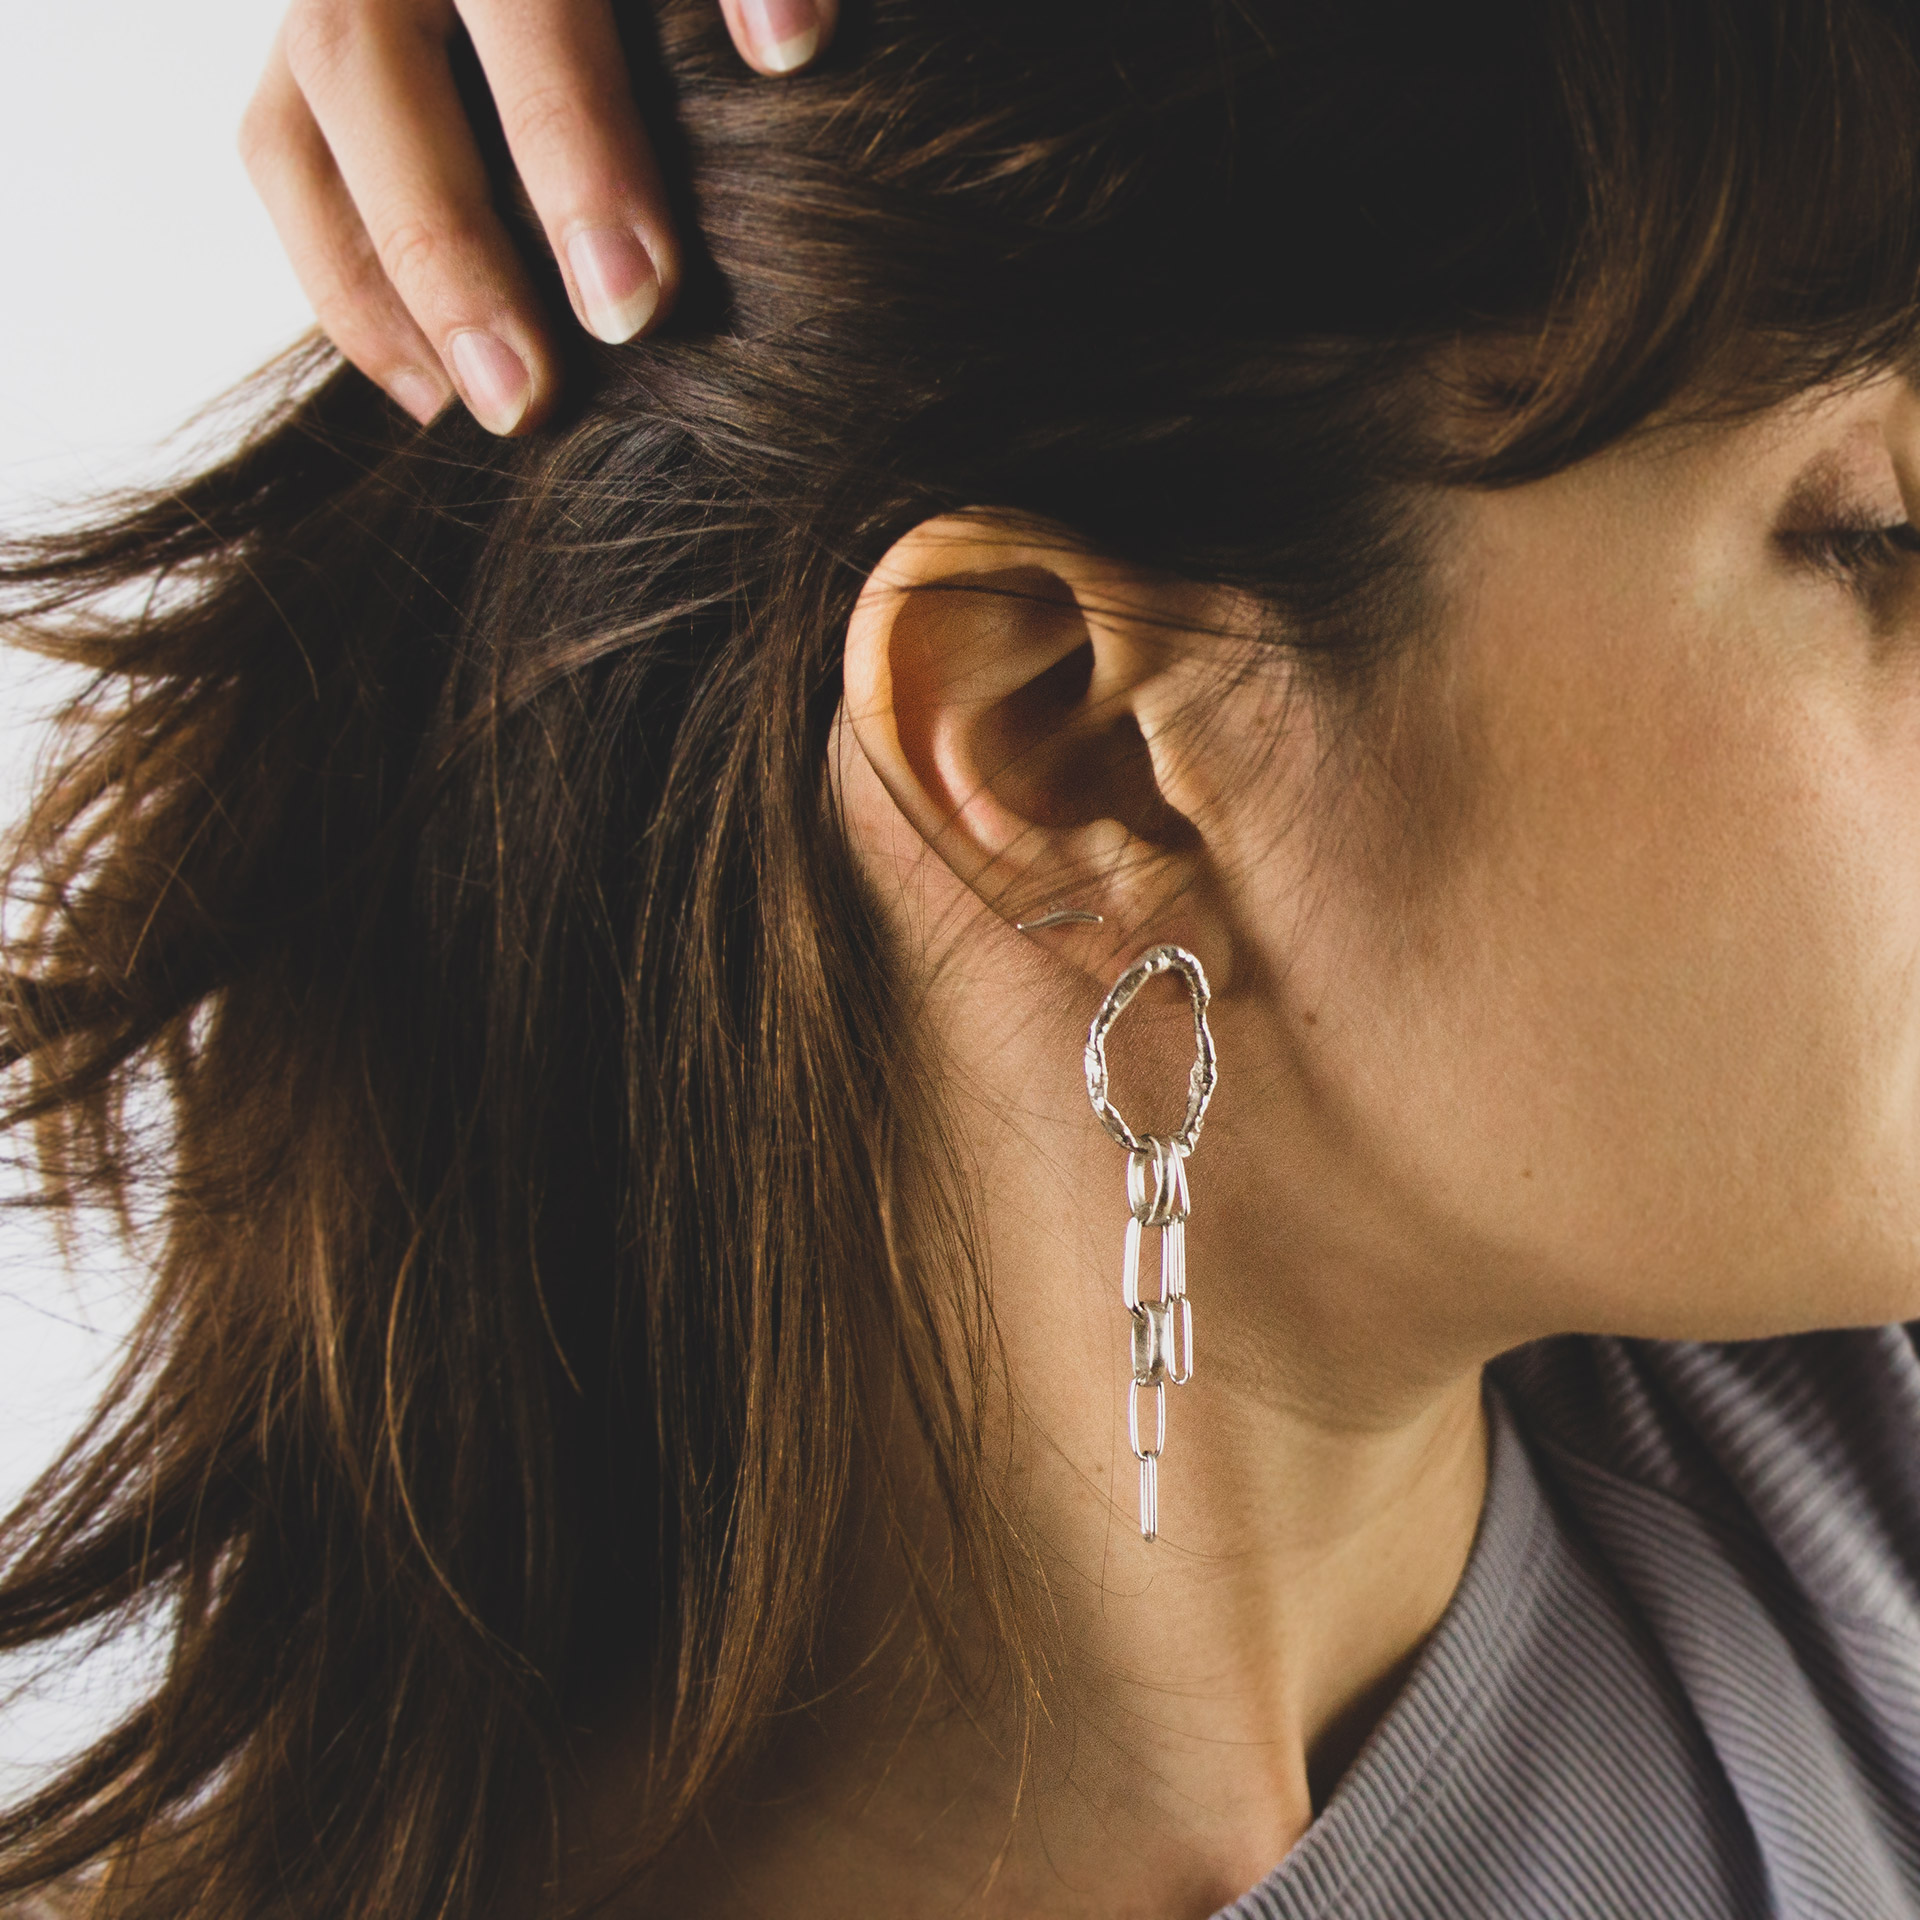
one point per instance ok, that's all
(1206, 1691)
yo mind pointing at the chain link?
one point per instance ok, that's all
(1162, 1327)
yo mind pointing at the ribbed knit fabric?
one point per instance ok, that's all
(1681, 1675)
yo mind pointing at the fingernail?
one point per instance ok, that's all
(492, 378)
(420, 393)
(618, 286)
(785, 33)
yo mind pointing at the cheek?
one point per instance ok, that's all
(1634, 1043)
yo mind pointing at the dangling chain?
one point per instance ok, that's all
(1162, 1328)
(1156, 1197)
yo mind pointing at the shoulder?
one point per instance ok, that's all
(1806, 1447)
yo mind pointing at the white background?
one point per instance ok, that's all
(138, 279)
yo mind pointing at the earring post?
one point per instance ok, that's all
(1061, 917)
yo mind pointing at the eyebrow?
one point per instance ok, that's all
(1818, 497)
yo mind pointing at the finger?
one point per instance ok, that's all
(352, 298)
(558, 76)
(380, 88)
(780, 36)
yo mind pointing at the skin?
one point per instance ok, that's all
(1569, 987)
(358, 144)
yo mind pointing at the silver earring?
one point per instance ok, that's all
(1156, 1197)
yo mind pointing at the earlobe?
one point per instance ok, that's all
(1013, 693)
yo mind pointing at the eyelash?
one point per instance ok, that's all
(1860, 556)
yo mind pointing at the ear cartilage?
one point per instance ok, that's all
(1061, 917)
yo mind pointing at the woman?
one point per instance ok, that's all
(637, 1415)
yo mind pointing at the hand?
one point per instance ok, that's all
(357, 142)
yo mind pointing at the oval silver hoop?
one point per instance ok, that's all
(1200, 1078)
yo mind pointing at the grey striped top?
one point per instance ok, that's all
(1681, 1674)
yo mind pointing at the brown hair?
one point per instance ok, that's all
(534, 1235)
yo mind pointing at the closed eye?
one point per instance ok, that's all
(1859, 557)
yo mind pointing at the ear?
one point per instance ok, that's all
(1020, 698)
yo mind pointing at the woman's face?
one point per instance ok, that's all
(1600, 989)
